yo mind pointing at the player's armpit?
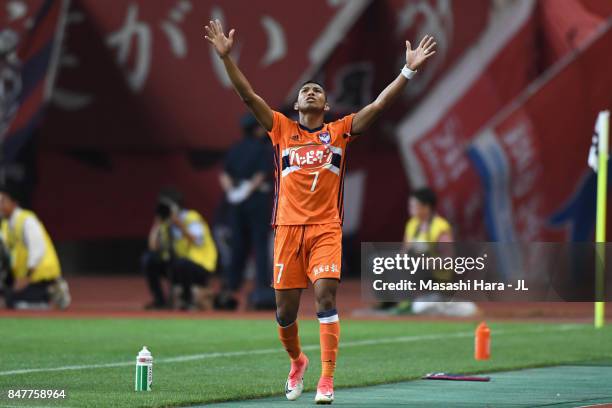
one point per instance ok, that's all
(279, 125)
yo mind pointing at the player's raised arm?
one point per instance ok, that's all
(414, 58)
(223, 45)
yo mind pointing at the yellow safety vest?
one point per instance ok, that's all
(204, 255)
(437, 227)
(47, 269)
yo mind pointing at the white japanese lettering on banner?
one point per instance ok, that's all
(122, 40)
(140, 31)
(64, 98)
(176, 37)
(276, 48)
(526, 169)
(446, 154)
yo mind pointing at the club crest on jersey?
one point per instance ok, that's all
(310, 156)
(324, 137)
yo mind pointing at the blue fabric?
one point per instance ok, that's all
(327, 313)
(248, 157)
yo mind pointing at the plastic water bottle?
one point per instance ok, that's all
(482, 343)
(144, 370)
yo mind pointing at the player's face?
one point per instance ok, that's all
(6, 205)
(311, 98)
(418, 209)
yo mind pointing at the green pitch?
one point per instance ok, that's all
(198, 361)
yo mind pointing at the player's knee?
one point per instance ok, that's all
(326, 301)
(285, 316)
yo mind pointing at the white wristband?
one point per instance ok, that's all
(407, 72)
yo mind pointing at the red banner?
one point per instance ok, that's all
(532, 158)
(433, 138)
(140, 75)
(482, 89)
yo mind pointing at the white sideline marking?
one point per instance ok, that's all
(356, 343)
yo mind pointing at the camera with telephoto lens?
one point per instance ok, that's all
(164, 208)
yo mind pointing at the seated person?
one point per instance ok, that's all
(33, 275)
(425, 233)
(426, 227)
(181, 248)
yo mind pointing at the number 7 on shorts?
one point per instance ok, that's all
(280, 271)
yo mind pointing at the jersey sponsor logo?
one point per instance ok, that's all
(310, 156)
(324, 137)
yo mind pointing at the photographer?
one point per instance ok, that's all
(32, 275)
(181, 248)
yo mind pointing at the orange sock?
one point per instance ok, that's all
(329, 335)
(290, 339)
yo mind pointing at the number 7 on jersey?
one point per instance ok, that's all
(314, 182)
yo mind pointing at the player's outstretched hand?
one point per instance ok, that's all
(414, 58)
(214, 34)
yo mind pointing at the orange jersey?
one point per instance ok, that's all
(309, 168)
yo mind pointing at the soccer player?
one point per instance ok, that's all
(310, 165)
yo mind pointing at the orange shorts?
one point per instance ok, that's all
(306, 252)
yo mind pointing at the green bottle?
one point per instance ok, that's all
(144, 370)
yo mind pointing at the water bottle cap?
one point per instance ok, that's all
(144, 352)
(482, 327)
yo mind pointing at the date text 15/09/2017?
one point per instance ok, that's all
(465, 285)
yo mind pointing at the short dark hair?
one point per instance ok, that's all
(12, 189)
(170, 193)
(312, 81)
(426, 196)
